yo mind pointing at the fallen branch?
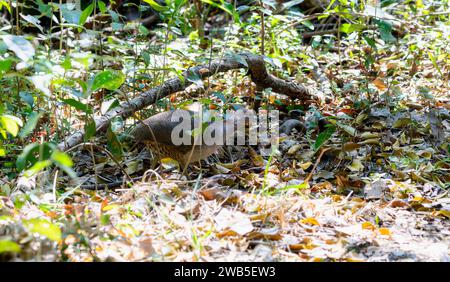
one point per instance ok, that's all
(256, 68)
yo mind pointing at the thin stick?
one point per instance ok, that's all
(308, 178)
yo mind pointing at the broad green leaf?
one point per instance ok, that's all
(38, 167)
(227, 7)
(44, 227)
(4, 3)
(105, 219)
(370, 41)
(30, 125)
(385, 29)
(20, 46)
(5, 65)
(70, 15)
(323, 137)
(67, 63)
(7, 246)
(308, 24)
(194, 77)
(102, 7)
(11, 124)
(86, 13)
(155, 5)
(143, 30)
(62, 159)
(349, 28)
(45, 9)
(78, 105)
(27, 97)
(108, 79)
(28, 156)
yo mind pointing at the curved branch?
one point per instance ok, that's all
(256, 68)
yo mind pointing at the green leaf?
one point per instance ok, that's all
(349, 28)
(62, 159)
(108, 79)
(7, 246)
(11, 124)
(70, 15)
(89, 129)
(27, 97)
(385, 29)
(20, 46)
(370, 41)
(45, 9)
(5, 65)
(323, 137)
(155, 5)
(143, 30)
(86, 13)
(37, 167)
(44, 227)
(194, 77)
(30, 125)
(434, 62)
(5, 4)
(227, 7)
(102, 7)
(114, 144)
(105, 219)
(67, 63)
(308, 24)
(78, 105)
(28, 156)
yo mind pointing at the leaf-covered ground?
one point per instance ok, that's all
(371, 185)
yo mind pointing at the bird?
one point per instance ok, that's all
(156, 133)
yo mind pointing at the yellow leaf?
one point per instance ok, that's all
(292, 150)
(384, 231)
(445, 213)
(368, 225)
(306, 165)
(356, 165)
(310, 221)
(401, 122)
(168, 163)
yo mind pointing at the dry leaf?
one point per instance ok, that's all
(379, 83)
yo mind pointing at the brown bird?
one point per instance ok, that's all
(156, 133)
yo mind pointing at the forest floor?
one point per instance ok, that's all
(376, 189)
(376, 197)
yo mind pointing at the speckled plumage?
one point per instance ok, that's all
(156, 132)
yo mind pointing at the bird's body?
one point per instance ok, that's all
(156, 133)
